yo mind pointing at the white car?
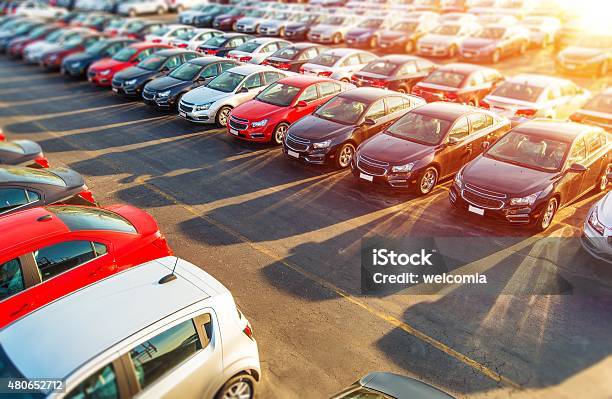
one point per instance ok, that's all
(140, 7)
(34, 52)
(192, 39)
(213, 103)
(148, 332)
(542, 30)
(529, 96)
(597, 230)
(332, 29)
(338, 63)
(167, 32)
(256, 50)
(446, 39)
(38, 9)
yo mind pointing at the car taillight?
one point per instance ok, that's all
(325, 74)
(246, 58)
(156, 41)
(284, 67)
(248, 331)
(450, 96)
(87, 196)
(576, 117)
(162, 244)
(484, 104)
(379, 83)
(527, 113)
(182, 45)
(265, 62)
(42, 162)
(210, 52)
(302, 70)
(2, 136)
(416, 91)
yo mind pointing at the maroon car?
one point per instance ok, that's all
(427, 144)
(532, 171)
(460, 83)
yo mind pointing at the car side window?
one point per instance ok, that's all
(111, 50)
(270, 48)
(326, 89)
(209, 71)
(395, 104)
(190, 56)
(144, 54)
(310, 94)
(58, 258)
(161, 353)
(554, 93)
(308, 54)
(578, 152)
(460, 130)
(376, 111)
(235, 42)
(424, 65)
(11, 198)
(568, 90)
(272, 77)
(351, 60)
(227, 65)
(101, 384)
(11, 278)
(365, 58)
(173, 62)
(407, 69)
(253, 81)
(480, 121)
(593, 142)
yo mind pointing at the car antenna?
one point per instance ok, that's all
(169, 277)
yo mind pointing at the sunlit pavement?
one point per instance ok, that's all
(286, 239)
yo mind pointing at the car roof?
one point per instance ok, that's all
(463, 68)
(233, 34)
(554, 129)
(208, 60)
(95, 318)
(23, 226)
(248, 69)
(368, 94)
(401, 387)
(304, 80)
(536, 80)
(173, 51)
(446, 110)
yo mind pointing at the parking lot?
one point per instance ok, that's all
(286, 241)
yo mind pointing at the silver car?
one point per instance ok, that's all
(445, 39)
(250, 23)
(140, 7)
(213, 103)
(256, 50)
(164, 328)
(597, 230)
(192, 39)
(338, 63)
(333, 28)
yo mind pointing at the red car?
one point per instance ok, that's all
(53, 59)
(268, 116)
(48, 252)
(101, 72)
(459, 83)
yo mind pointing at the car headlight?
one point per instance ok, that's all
(595, 223)
(403, 168)
(260, 123)
(130, 82)
(528, 200)
(105, 72)
(161, 93)
(459, 180)
(321, 144)
(76, 64)
(202, 107)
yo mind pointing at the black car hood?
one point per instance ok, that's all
(133, 72)
(69, 176)
(166, 82)
(395, 151)
(317, 129)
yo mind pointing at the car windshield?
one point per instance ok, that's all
(125, 54)
(226, 82)
(216, 41)
(278, 94)
(445, 78)
(37, 32)
(423, 129)
(187, 71)
(529, 151)
(248, 47)
(22, 29)
(187, 35)
(342, 110)
(519, 91)
(333, 20)
(30, 175)
(446, 30)
(380, 67)
(97, 47)
(287, 53)
(406, 26)
(491, 33)
(134, 26)
(596, 41)
(371, 23)
(162, 30)
(152, 62)
(600, 103)
(78, 218)
(325, 60)
(55, 36)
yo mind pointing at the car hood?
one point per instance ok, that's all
(133, 72)
(69, 176)
(38, 46)
(436, 39)
(274, 23)
(51, 47)
(604, 210)
(581, 53)
(477, 43)
(296, 25)
(204, 95)
(356, 32)
(496, 176)
(317, 129)
(106, 63)
(166, 82)
(255, 107)
(395, 151)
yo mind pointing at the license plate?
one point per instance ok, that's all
(184, 115)
(115, 90)
(234, 132)
(293, 154)
(478, 211)
(366, 177)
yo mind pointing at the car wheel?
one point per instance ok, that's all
(223, 116)
(337, 38)
(160, 10)
(404, 89)
(473, 102)
(344, 155)
(427, 181)
(496, 56)
(547, 215)
(238, 387)
(603, 69)
(409, 47)
(523, 48)
(373, 42)
(345, 80)
(452, 52)
(132, 13)
(279, 133)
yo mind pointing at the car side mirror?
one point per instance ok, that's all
(577, 168)
(485, 145)
(453, 140)
(368, 122)
(243, 90)
(301, 104)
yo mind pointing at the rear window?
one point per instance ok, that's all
(78, 218)
(30, 175)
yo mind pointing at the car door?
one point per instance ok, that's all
(482, 129)
(459, 149)
(596, 160)
(310, 96)
(378, 113)
(571, 182)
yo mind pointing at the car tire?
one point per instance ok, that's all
(345, 80)
(337, 38)
(223, 116)
(547, 215)
(278, 136)
(427, 181)
(496, 56)
(409, 47)
(180, 8)
(344, 155)
(235, 387)
(281, 31)
(404, 89)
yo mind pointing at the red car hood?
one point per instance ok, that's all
(256, 110)
(141, 220)
(109, 63)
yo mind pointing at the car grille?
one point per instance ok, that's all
(186, 107)
(297, 143)
(372, 166)
(117, 83)
(238, 123)
(148, 95)
(482, 198)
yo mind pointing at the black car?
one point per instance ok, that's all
(394, 72)
(165, 92)
(223, 44)
(22, 152)
(333, 132)
(292, 57)
(364, 34)
(22, 188)
(77, 64)
(22, 30)
(299, 30)
(132, 80)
